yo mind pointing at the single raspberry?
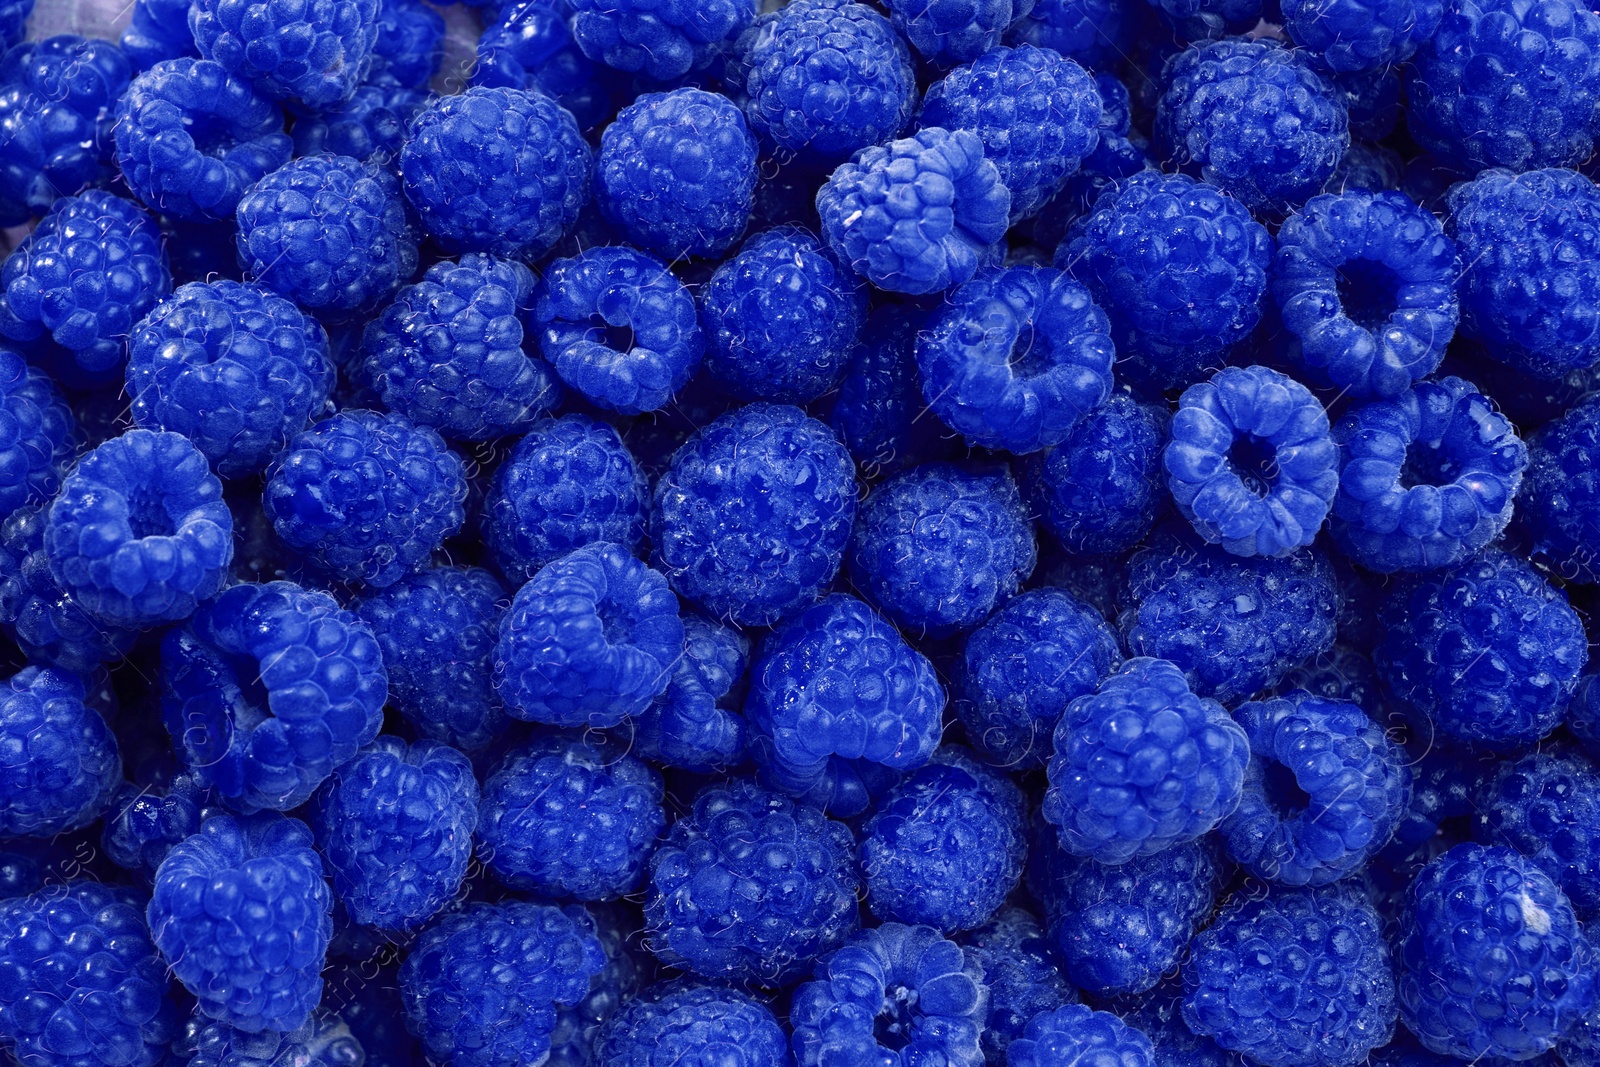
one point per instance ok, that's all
(61, 761)
(315, 55)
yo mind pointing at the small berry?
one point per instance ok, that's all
(693, 724)
(243, 915)
(1546, 805)
(410, 45)
(144, 823)
(370, 126)
(531, 46)
(323, 1041)
(38, 435)
(315, 55)
(61, 761)
(678, 1022)
(661, 41)
(1020, 974)
(1361, 35)
(1561, 498)
(589, 640)
(945, 34)
(879, 411)
(157, 30)
(49, 626)
(1075, 1036)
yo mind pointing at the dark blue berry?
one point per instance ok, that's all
(1546, 805)
(1076, 1036)
(693, 724)
(588, 641)
(659, 40)
(268, 690)
(49, 626)
(676, 173)
(314, 54)
(243, 915)
(448, 353)
(751, 519)
(235, 368)
(879, 411)
(60, 759)
(1020, 974)
(1361, 35)
(323, 1041)
(157, 30)
(366, 496)
(532, 46)
(38, 435)
(619, 328)
(370, 126)
(144, 822)
(1095, 33)
(1016, 359)
(945, 34)
(937, 548)
(191, 138)
(410, 45)
(679, 1022)
(1560, 504)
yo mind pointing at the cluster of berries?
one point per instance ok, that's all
(976, 533)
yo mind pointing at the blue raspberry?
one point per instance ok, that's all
(14, 22)
(436, 631)
(1234, 626)
(1253, 118)
(1198, 20)
(1546, 805)
(366, 496)
(496, 170)
(1530, 284)
(48, 625)
(879, 411)
(945, 34)
(1508, 83)
(661, 41)
(1178, 266)
(751, 518)
(1488, 652)
(243, 915)
(1100, 489)
(564, 818)
(1366, 283)
(1426, 479)
(61, 760)
(693, 724)
(942, 576)
(370, 126)
(38, 435)
(90, 270)
(532, 46)
(588, 641)
(328, 232)
(1016, 359)
(619, 328)
(235, 368)
(323, 1041)
(1037, 113)
(577, 1030)
(314, 55)
(1294, 978)
(482, 985)
(157, 30)
(896, 992)
(916, 215)
(1142, 764)
(826, 78)
(1020, 974)
(396, 825)
(1096, 33)
(85, 987)
(144, 823)
(269, 689)
(191, 138)
(140, 534)
(1361, 35)
(946, 846)
(410, 45)
(781, 318)
(1021, 668)
(836, 682)
(679, 1022)
(1073, 1035)
(567, 483)
(751, 887)
(1325, 790)
(1560, 504)
(1118, 929)
(1492, 960)
(1445, 791)
(448, 352)
(677, 173)
(58, 101)
(1251, 462)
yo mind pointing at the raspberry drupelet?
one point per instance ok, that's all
(751, 518)
(588, 641)
(235, 368)
(269, 689)
(243, 915)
